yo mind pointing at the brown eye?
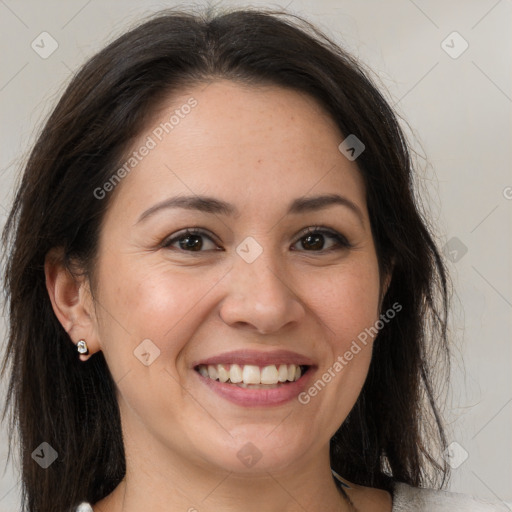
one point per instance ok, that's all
(190, 240)
(314, 240)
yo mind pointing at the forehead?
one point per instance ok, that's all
(254, 146)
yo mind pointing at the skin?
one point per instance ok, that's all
(258, 148)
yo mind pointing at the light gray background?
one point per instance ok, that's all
(459, 110)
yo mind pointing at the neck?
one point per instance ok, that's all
(159, 477)
(150, 487)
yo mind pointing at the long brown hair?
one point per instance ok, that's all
(393, 433)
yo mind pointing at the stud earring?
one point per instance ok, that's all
(81, 346)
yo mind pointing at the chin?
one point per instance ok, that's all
(256, 450)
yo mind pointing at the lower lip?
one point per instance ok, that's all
(258, 397)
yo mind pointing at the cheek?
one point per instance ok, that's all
(152, 301)
(348, 301)
(347, 305)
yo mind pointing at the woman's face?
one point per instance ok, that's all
(250, 291)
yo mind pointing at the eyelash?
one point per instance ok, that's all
(341, 241)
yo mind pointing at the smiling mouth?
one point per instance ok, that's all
(253, 376)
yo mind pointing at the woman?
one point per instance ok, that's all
(218, 218)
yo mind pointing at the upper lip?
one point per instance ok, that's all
(257, 358)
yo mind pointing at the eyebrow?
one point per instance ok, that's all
(218, 207)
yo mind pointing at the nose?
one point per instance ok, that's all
(261, 296)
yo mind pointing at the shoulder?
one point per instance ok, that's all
(412, 499)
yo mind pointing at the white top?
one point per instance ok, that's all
(412, 499)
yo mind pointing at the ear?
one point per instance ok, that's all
(71, 300)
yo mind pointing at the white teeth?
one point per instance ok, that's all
(223, 373)
(235, 374)
(212, 372)
(283, 373)
(269, 375)
(251, 374)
